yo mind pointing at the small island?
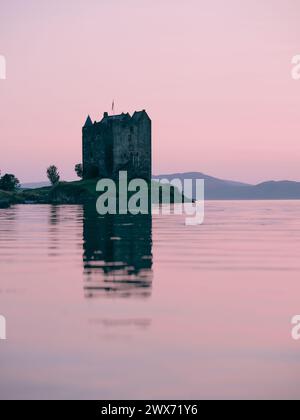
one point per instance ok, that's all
(116, 143)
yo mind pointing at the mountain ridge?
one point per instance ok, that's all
(220, 189)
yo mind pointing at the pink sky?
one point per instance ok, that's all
(214, 76)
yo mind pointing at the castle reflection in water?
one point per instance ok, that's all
(117, 254)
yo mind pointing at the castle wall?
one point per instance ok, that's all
(144, 140)
(118, 143)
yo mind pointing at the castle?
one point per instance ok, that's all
(117, 143)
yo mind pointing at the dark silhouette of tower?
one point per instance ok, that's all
(117, 143)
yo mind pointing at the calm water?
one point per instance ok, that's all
(141, 307)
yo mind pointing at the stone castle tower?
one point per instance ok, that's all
(117, 143)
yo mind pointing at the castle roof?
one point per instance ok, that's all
(117, 118)
(88, 122)
(138, 114)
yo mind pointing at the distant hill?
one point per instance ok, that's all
(219, 189)
(32, 185)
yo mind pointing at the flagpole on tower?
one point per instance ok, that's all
(113, 107)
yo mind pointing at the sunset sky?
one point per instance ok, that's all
(214, 76)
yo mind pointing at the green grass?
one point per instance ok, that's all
(75, 192)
